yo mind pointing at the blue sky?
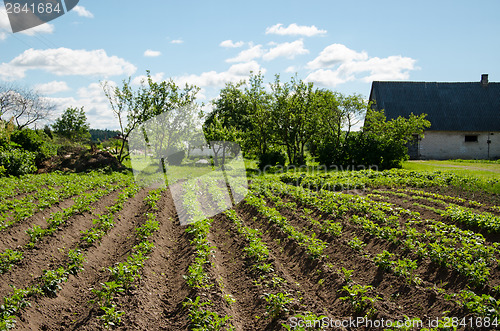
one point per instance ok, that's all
(339, 45)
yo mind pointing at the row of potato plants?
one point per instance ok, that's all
(462, 250)
(50, 281)
(257, 252)
(455, 213)
(358, 295)
(197, 277)
(313, 246)
(342, 180)
(12, 186)
(82, 203)
(439, 241)
(124, 274)
(14, 211)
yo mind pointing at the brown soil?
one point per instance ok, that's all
(81, 161)
(155, 301)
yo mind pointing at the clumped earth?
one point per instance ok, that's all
(155, 301)
(81, 160)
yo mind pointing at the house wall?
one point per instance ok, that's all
(442, 145)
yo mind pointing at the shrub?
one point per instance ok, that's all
(35, 142)
(363, 149)
(175, 159)
(17, 162)
(271, 159)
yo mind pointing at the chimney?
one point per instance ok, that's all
(484, 80)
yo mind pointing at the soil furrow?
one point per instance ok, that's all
(156, 303)
(70, 309)
(52, 250)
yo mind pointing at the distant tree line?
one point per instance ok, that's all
(100, 135)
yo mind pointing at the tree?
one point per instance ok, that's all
(24, 105)
(295, 116)
(132, 108)
(401, 129)
(72, 124)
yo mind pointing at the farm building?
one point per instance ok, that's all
(464, 116)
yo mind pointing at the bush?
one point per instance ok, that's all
(17, 162)
(35, 142)
(176, 158)
(363, 149)
(273, 158)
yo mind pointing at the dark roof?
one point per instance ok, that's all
(449, 106)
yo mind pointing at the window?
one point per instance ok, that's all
(471, 139)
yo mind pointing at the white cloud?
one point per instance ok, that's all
(95, 104)
(43, 28)
(338, 64)
(65, 61)
(151, 53)
(177, 41)
(288, 50)
(4, 20)
(291, 69)
(246, 55)
(158, 77)
(327, 77)
(231, 44)
(52, 87)
(335, 54)
(295, 30)
(389, 68)
(81, 11)
(235, 73)
(5, 26)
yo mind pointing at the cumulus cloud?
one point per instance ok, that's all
(65, 61)
(151, 53)
(337, 64)
(52, 87)
(83, 12)
(246, 55)
(231, 44)
(288, 50)
(295, 30)
(4, 20)
(43, 28)
(158, 77)
(327, 77)
(335, 54)
(5, 26)
(177, 41)
(95, 104)
(291, 69)
(235, 73)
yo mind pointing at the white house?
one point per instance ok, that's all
(464, 116)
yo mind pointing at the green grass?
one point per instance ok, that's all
(470, 168)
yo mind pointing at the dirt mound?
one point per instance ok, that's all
(81, 161)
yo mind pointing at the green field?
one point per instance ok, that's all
(459, 167)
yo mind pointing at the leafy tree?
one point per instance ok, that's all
(134, 107)
(401, 130)
(294, 116)
(338, 113)
(72, 124)
(217, 135)
(258, 103)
